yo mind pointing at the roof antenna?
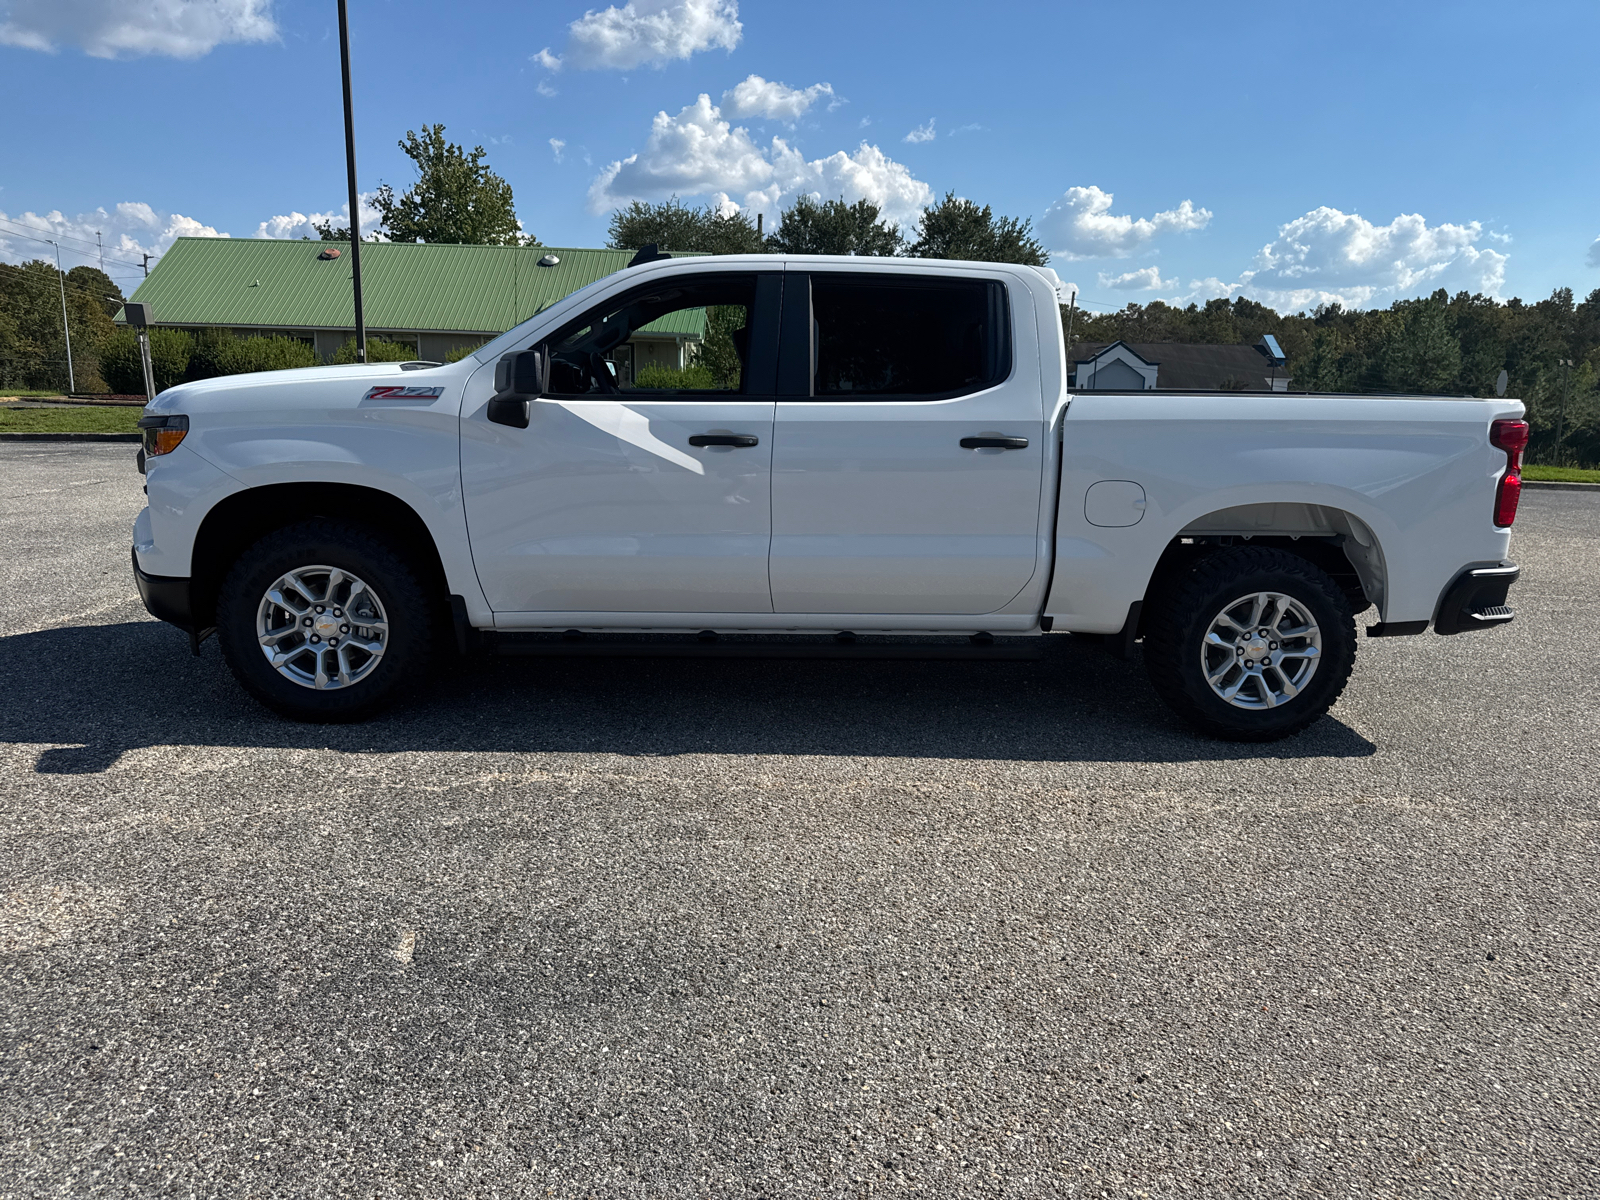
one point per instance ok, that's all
(648, 253)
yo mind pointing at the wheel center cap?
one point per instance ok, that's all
(1255, 648)
(326, 625)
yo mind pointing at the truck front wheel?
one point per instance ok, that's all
(323, 621)
(1250, 644)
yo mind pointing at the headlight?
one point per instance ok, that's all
(163, 433)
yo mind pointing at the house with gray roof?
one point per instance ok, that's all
(1172, 366)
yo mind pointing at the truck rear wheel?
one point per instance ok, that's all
(323, 621)
(1250, 644)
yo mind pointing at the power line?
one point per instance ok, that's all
(49, 242)
(65, 237)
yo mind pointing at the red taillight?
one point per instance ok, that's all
(1505, 499)
(1512, 437)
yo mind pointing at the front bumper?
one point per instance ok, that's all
(167, 598)
(1476, 599)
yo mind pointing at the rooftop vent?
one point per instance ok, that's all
(549, 260)
(328, 255)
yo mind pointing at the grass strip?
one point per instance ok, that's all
(1560, 474)
(111, 418)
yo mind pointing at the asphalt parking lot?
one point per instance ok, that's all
(667, 928)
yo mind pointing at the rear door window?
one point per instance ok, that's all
(912, 338)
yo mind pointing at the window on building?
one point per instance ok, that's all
(914, 338)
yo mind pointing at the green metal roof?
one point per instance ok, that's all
(264, 284)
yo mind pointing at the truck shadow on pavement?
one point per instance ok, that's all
(89, 693)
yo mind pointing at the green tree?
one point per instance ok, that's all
(955, 228)
(1420, 352)
(456, 197)
(33, 351)
(170, 351)
(378, 350)
(219, 352)
(834, 227)
(672, 225)
(329, 232)
(718, 354)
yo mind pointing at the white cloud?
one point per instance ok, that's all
(556, 147)
(1143, 280)
(550, 62)
(758, 97)
(1328, 256)
(128, 232)
(108, 29)
(294, 225)
(647, 33)
(1594, 253)
(545, 90)
(699, 153)
(1082, 225)
(1332, 257)
(922, 133)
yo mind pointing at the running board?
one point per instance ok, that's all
(593, 646)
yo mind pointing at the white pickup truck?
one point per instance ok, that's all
(834, 448)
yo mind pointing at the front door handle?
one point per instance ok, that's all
(994, 443)
(724, 439)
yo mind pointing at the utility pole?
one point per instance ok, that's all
(61, 278)
(102, 245)
(355, 198)
(146, 264)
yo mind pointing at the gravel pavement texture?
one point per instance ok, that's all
(753, 928)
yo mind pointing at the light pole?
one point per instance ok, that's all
(355, 198)
(61, 278)
(1566, 386)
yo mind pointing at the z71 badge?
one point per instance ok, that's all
(404, 393)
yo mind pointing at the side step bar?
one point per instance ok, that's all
(691, 646)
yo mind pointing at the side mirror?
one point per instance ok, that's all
(518, 378)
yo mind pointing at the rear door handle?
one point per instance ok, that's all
(994, 443)
(724, 439)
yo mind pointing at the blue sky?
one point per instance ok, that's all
(1292, 153)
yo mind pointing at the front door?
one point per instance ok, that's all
(909, 447)
(642, 483)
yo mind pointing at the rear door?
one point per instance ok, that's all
(909, 444)
(642, 483)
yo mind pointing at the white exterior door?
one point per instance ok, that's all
(653, 498)
(877, 506)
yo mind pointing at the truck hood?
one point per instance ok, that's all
(334, 386)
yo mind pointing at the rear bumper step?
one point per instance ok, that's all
(1476, 599)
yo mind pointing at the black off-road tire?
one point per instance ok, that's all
(1177, 619)
(359, 551)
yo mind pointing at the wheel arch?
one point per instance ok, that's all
(1333, 539)
(239, 520)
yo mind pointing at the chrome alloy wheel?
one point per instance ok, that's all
(322, 627)
(1261, 650)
